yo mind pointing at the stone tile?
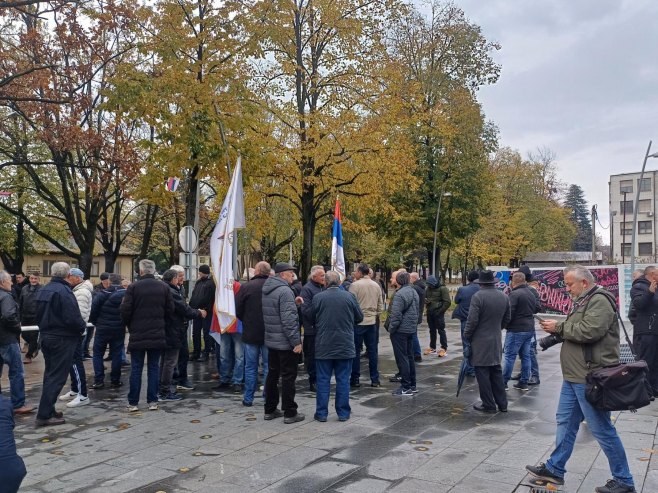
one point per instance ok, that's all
(472, 484)
(448, 467)
(314, 478)
(486, 472)
(369, 448)
(254, 454)
(411, 485)
(513, 453)
(210, 473)
(152, 455)
(133, 480)
(396, 464)
(364, 485)
(81, 479)
(346, 437)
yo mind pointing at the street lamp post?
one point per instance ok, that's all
(623, 232)
(637, 199)
(436, 225)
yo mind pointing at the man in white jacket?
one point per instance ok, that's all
(83, 291)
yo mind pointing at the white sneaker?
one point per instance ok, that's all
(80, 400)
(68, 396)
(132, 409)
(153, 406)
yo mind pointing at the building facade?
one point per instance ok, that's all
(622, 192)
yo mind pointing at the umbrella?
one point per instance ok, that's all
(463, 369)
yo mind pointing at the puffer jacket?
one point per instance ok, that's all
(10, 323)
(644, 304)
(591, 323)
(105, 314)
(83, 294)
(28, 304)
(404, 311)
(437, 299)
(280, 315)
(176, 321)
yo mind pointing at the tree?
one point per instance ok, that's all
(575, 201)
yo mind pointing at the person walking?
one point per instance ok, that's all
(488, 315)
(335, 314)
(591, 324)
(313, 286)
(144, 310)
(437, 300)
(463, 300)
(284, 343)
(60, 328)
(403, 323)
(27, 302)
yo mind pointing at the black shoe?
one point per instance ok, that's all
(116, 385)
(203, 358)
(236, 388)
(222, 386)
(613, 486)
(276, 414)
(376, 384)
(364, 355)
(482, 409)
(321, 419)
(521, 386)
(516, 377)
(54, 421)
(502, 409)
(355, 384)
(294, 419)
(109, 358)
(125, 363)
(542, 472)
(418, 358)
(98, 385)
(533, 381)
(395, 378)
(312, 387)
(247, 404)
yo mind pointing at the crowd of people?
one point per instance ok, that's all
(325, 323)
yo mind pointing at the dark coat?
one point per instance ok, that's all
(310, 289)
(105, 313)
(17, 289)
(437, 300)
(249, 309)
(10, 322)
(488, 315)
(523, 305)
(420, 287)
(28, 304)
(280, 315)
(176, 321)
(58, 312)
(404, 311)
(334, 313)
(645, 305)
(145, 309)
(463, 300)
(203, 295)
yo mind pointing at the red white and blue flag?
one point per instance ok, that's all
(172, 183)
(337, 257)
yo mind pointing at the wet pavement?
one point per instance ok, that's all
(433, 441)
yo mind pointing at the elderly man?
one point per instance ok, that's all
(314, 286)
(335, 314)
(591, 324)
(402, 327)
(27, 303)
(249, 309)
(284, 343)
(202, 298)
(369, 297)
(145, 309)
(488, 315)
(10, 347)
(60, 326)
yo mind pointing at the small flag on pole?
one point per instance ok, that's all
(337, 257)
(172, 183)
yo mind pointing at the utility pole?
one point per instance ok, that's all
(594, 234)
(623, 232)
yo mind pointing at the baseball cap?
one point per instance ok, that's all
(77, 272)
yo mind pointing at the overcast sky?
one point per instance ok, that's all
(579, 77)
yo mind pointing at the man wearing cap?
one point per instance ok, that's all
(284, 343)
(488, 315)
(203, 298)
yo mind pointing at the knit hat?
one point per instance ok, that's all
(204, 269)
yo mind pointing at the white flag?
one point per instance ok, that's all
(221, 251)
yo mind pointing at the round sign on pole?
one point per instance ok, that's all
(188, 239)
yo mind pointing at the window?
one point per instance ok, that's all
(626, 186)
(47, 264)
(644, 205)
(626, 249)
(645, 249)
(95, 268)
(644, 227)
(645, 185)
(626, 207)
(626, 228)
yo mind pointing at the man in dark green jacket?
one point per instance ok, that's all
(437, 300)
(591, 322)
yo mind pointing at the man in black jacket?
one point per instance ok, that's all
(249, 309)
(60, 326)
(10, 348)
(402, 325)
(314, 286)
(419, 286)
(520, 330)
(203, 298)
(28, 308)
(645, 321)
(145, 309)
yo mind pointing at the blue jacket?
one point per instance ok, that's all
(463, 300)
(58, 312)
(334, 314)
(308, 292)
(105, 314)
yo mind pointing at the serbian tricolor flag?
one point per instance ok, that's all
(337, 257)
(172, 183)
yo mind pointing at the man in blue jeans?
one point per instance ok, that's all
(591, 321)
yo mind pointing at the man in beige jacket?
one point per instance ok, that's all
(369, 296)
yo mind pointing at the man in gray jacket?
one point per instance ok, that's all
(402, 327)
(284, 343)
(488, 315)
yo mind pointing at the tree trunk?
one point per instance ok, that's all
(308, 229)
(149, 223)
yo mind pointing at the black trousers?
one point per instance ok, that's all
(308, 348)
(646, 347)
(437, 323)
(183, 358)
(492, 387)
(403, 351)
(201, 327)
(58, 355)
(281, 364)
(31, 338)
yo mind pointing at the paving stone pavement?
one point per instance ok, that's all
(433, 441)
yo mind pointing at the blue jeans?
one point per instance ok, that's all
(115, 342)
(416, 345)
(10, 354)
(231, 357)
(252, 353)
(571, 410)
(517, 343)
(341, 368)
(470, 369)
(152, 375)
(367, 334)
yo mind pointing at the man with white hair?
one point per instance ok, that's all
(314, 286)
(60, 326)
